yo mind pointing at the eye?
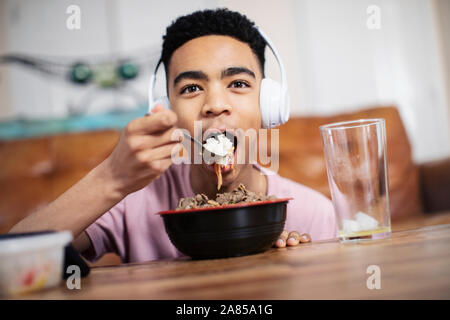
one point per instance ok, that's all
(190, 89)
(239, 84)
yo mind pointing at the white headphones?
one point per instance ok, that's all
(273, 98)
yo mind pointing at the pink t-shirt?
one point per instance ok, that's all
(132, 230)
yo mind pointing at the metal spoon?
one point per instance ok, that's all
(188, 136)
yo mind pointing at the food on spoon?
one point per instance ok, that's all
(238, 195)
(223, 149)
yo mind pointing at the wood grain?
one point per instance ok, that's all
(415, 264)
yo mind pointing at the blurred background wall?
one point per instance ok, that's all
(335, 62)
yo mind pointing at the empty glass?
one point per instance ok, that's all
(355, 155)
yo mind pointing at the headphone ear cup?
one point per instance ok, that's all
(285, 107)
(271, 100)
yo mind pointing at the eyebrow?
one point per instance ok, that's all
(237, 70)
(197, 75)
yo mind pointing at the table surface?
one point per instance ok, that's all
(414, 264)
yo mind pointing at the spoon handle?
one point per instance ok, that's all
(188, 136)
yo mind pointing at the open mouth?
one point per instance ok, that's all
(223, 164)
(228, 134)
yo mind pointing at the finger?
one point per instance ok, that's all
(281, 242)
(157, 108)
(144, 142)
(305, 238)
(293, 238)
(169, 135)
(162, 152)
(160, 121)
(161, 165)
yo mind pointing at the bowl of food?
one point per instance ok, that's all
(233, 224)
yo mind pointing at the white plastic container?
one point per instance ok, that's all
(31, 263)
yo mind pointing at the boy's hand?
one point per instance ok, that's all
(143, 152)
(292, 238)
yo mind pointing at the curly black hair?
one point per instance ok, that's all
(212, 22)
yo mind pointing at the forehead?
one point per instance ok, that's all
(212, 54)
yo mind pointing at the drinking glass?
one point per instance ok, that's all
(355, 155)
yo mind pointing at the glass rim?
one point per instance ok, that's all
(350, 124)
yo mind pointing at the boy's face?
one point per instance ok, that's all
(216, 80)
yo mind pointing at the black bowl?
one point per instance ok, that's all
(226, 231)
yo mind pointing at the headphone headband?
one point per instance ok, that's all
(277, 57)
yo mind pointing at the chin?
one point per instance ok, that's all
(229, 178)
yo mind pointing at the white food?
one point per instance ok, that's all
(350, 226)
(222, 147)
(363, 222)
(366, 222)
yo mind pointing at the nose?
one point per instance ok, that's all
(216, 104)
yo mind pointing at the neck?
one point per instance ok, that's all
(248, 176)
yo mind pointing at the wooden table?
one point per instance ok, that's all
(414, 264)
